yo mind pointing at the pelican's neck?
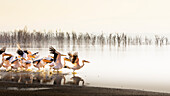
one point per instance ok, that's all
(82, 65)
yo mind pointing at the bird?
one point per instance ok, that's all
(77, 66)
(57, 59)
(6, 60)
(16, 64)
(2, 50)
(42, 62)
(75, 61)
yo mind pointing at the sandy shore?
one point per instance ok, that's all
(14, 89)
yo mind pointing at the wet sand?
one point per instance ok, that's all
(6, 89)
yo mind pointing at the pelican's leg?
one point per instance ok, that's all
(74, 72)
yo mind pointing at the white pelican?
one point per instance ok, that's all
(57, 59)
(16, 64)
(75, 61)
(6, 60)
(3, 49)
(26, 57)
(40, 63)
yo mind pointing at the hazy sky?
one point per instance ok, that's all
(86, 15)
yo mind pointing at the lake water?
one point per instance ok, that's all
(131, 67)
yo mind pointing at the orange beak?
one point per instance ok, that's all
(63, 55)
(86, 61)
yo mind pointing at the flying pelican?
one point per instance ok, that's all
(57, 59)
(26, 57)
(75, 61)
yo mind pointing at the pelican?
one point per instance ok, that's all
(16, 64)
(39, 63)
(2, 50)
(26, 54)
(32, 56)
(75, 61)
(21, 53)
(6, 60)
(26, 57)
(57, 59)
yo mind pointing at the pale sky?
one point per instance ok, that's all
(86, 15)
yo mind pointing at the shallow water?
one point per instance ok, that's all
(132, 67)
(26, 89)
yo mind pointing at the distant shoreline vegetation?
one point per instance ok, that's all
(44, 39)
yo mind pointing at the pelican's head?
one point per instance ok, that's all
(69, 54)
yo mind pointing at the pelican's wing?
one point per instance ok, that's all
(14, 61)
(18, 46)
(38, 61)
(27, 62)
(20, 52)
(35, 53)
(52, 50)
(26, 51)
(2, 50)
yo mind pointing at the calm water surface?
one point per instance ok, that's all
(132, 67)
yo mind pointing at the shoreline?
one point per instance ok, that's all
(15, 89)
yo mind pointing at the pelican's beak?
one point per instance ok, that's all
(86, 61)
(23, 58)
(47, 61)
(7, 54)
(32, 56)
(29, 52)
(19, 56)
(63, 55)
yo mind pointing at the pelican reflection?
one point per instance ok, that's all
(58, 79)
(41, 78)
(76, 80)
